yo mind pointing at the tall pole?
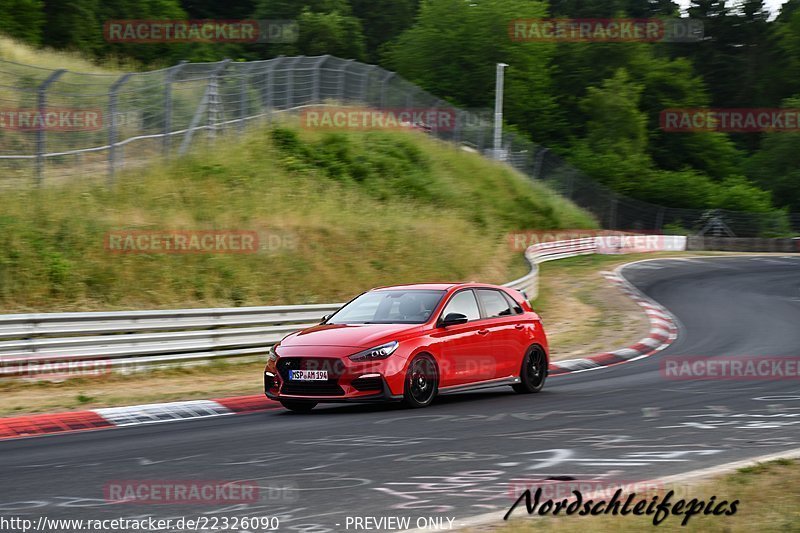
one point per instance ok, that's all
(498, 111)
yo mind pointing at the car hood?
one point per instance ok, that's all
(348, 335)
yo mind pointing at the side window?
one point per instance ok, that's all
(463, 302)
(515, 307)
(493, 303)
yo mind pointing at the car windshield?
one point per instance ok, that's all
(389, 307)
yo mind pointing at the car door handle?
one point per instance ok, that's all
(519, 326)
(483, 331)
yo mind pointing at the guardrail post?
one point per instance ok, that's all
(166, 141)
(112, 125)
(41, 93)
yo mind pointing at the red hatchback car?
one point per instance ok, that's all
(410, 343)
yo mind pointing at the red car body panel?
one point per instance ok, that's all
(482, 352)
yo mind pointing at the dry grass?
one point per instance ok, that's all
(12, 50)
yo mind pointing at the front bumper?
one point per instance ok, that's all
(347, 381)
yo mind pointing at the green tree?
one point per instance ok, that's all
(383, 20)
(614, 150)
(776, 166)
(325, 27)
(452, 51)
(22, 19)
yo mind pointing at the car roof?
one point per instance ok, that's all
(434, 286)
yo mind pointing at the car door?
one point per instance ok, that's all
(463, 348)
(507, 338)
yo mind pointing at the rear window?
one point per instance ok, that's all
(494, 304)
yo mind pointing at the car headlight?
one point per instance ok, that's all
(379, 352)
(273, 355)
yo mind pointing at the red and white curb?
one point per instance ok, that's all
(135, 415)
(663, 330)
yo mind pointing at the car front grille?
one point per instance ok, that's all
(335, 368)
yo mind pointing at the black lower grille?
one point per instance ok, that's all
(312, 388)
(363, 384)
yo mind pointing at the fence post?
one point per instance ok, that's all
(290, 82)
(365, 82)
(166, 141)
(213, 100)
(660, 219)
(201, 108)
(389, 75)
(342, 80)
(112, 125)
(612, 218)
(539, 161)
(243, 94)
(270, 85)
(40, 132)
(317, 75)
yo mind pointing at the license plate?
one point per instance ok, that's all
(308, 375)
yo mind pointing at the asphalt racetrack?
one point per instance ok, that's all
(464, 455)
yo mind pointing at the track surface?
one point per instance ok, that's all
(458, 457)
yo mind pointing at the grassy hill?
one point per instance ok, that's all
(344, 212)
(12, 50)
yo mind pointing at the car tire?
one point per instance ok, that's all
(533, 372)
(298, 406)
(421, 383)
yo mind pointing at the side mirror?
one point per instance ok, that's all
(325, 318)
(453, 319)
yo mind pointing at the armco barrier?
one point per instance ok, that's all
(738, 244)
(56, 343)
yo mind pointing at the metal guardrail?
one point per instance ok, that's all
(55, 344)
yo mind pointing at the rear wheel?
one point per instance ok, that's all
(298, 406)
(422, 382)
(533, 372)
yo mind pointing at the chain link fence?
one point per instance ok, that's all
(100, 124)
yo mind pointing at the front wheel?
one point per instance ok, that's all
(533, 372)
(422, 382)
(298, 406)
